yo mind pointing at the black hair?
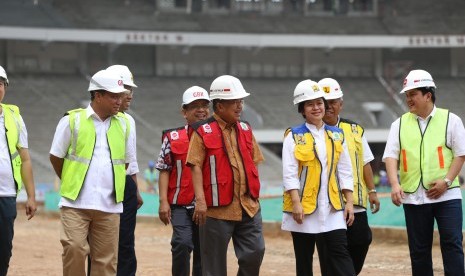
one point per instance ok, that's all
(428, 89)
(214, 103)
(300, 107)
(92, 93)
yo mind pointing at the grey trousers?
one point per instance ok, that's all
(247, 237)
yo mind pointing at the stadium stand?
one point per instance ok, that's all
(44, 91)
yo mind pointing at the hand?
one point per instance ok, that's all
(437, 189)
(164, 212)
(297, 212)
(349, 213)
(397, 194)
(140, 201)
(200, 213)
(31, 208)
(374, 202)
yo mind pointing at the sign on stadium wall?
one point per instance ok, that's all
(233, 39)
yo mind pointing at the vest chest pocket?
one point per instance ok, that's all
(213, 141)
(305, 154)
(180, 147)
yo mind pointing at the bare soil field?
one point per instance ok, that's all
(37, 250)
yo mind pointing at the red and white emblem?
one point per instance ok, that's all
(207, 128)
(174, 135)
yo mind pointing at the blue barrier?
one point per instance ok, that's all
(388, 216)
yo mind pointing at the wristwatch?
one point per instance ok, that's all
(448, 181)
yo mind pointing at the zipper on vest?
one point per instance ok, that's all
(359, 184)
(421, 150)
(11, 160)
(329, 176)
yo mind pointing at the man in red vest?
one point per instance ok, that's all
(223, 156)
(177, 200)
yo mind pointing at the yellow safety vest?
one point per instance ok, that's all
(310, 168)
(12, 132)
(81, 150)
(353, 133)
(425, 157)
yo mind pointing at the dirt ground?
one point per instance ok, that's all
(37, 250)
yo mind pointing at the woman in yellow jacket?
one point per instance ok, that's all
(317, 173)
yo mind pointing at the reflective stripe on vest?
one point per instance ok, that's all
(12, 125)
(180, 186)
(213, 181)
(353, 137)
(425, 157)
(310, 168)
(178, 181)
(218, 178)
(80, 151)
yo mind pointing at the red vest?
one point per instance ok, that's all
(180, 186)
(218, 182)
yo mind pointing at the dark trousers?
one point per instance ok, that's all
(7, 219)
(420, 226)
(358, 240)
(184, 241)
(127, 262)
(247, 237)
(336, 253)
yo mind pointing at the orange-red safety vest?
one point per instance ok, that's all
(218, 179)
(180, 186)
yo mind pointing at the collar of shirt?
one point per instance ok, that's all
(313, 127)
(337, 123)
(221, 122)
(91, 112)
(430, 115)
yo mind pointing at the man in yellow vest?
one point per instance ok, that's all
(359, 233)
(426, 146)
(15, 169)
(90, 151)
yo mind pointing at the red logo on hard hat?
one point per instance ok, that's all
(416, 81)
(197, 94)
(405, 82)
(120, 82)
(227, 90)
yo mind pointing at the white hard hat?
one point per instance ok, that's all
(3, 75)
(227, 88)
(194, 93)
(108, 81)
(128, 79)
(416, 79)
(307, 90)
(331, 88)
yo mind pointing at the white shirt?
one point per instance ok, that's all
(367, 158)
(325, 218)
(7, 183)
(455, 134)
(97, 191)
(133, 167)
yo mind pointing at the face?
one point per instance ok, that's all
(314, 110)
(230, 110)
(108, 103)
(417, 102)
(196, 111)
(332, 113)
(126, 98)
(2, 89)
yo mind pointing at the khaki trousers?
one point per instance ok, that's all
(85, 232)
